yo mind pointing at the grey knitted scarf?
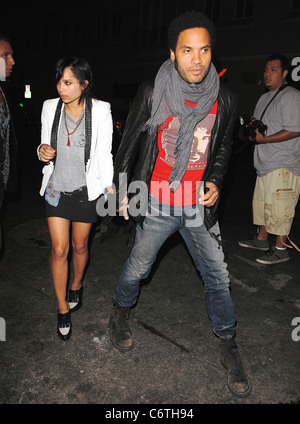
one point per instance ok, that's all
(88, 127)
(170, 93)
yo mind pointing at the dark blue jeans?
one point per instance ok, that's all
(205, 250)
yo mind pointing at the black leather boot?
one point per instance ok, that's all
(120, 333)
(237, 380)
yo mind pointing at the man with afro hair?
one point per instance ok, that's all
(175, 149)
(189, 20)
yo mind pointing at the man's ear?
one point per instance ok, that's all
(285, 73)
(172, 55)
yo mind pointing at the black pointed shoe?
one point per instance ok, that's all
(64, 326)
(75, 299)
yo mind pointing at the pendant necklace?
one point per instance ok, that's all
(70, 133)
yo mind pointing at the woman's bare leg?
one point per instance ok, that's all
(80, 239)
(59, 229)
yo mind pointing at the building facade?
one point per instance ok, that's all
(125, 41)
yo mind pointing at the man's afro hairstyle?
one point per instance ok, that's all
(186, 21)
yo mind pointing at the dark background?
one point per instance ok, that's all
(175, 359)
(125, 43)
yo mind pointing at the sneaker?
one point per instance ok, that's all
(274, 256)
(255, 244)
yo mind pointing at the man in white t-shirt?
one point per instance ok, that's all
(277, 163)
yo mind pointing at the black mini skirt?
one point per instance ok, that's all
(74, 206)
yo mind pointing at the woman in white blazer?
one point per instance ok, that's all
(76, 145)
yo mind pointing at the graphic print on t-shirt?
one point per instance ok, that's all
(165, 161)
(199, 150)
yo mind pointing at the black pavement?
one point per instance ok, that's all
(175, 359)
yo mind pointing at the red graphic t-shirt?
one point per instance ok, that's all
(186, 194)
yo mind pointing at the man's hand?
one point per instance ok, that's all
(209, 198)
(259, 138)
(124, 208)
(278, 137)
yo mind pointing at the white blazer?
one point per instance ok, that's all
(99, 169)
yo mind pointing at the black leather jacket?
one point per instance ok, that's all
(138, 150)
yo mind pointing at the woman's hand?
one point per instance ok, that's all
(109, 190)
(46, 153)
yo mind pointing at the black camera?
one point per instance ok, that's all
(247, 131)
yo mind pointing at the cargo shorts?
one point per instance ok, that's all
(274, 201)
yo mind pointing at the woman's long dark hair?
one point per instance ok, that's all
(82, 72)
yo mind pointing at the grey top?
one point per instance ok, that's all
(282, 114)
(69, 171)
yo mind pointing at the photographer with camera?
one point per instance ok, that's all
(277, 162)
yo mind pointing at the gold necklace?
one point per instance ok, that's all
(70, 133)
